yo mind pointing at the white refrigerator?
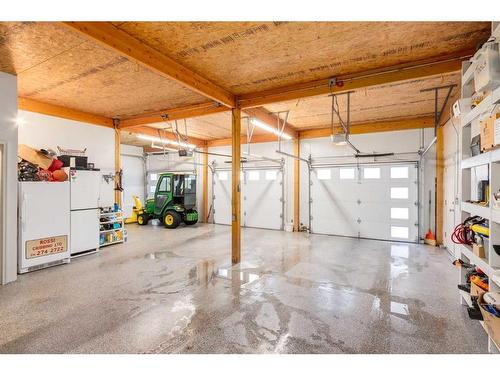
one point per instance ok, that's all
(85, 187)
(44, 225)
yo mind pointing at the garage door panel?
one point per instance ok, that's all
(372, 201)
(222, 197)
(261, 198)
(262, 206)
(375, 230)
(133, 182)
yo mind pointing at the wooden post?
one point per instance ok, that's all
(296, 184)
(205, 185)
(439, 207)
(118, 162)
(235, 195)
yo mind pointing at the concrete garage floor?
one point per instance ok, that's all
(173, 291)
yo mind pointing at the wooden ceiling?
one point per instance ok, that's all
(58, 66)
(246, 57)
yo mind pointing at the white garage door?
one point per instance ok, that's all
(366, 201)
(133, 182)
(261, 194)
(222, 197)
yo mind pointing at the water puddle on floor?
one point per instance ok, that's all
(236, 275)
(206, 272)
(161, 255)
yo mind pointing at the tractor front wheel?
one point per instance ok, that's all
(143, 219)
(171, 219)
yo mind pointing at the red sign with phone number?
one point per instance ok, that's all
(46, 246)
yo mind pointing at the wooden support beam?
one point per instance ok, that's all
(153, 132)
(205, 185)
(36, 106)
(371, 127)
(296, 185)
(269, 118)
(420, 69)
(235, 195)
(118, 163)
(198, 110)
(256, 138)
(110, 36)
(179, 113)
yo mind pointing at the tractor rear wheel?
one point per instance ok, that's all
(143, 219)
(171, 219)
(190, 222)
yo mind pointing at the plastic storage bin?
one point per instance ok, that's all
(487, 72)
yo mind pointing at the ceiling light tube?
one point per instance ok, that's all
(165, 141)
(270, 129)
(163, 148)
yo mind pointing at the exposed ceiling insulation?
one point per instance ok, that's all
(209, 127)
(401, 100)
(58, 67)
(245, 57)
(389, 102)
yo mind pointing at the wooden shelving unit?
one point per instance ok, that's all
(111, 236)
(469, 166)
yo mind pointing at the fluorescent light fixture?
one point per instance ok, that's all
(163, 148)
(339, 139)
(165, 141)
(270, 129)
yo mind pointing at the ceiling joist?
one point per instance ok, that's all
(372, 127)
(31, 105)
(157, 133)
(270, 119)
(173, 114)
(133, 49)
(405, 72)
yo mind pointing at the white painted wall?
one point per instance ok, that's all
(8, 137)
(42, 131)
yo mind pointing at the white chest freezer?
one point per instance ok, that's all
(44, 225)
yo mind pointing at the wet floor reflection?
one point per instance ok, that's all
(205, 271)
(242, 277)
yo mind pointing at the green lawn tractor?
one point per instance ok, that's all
(174, 201)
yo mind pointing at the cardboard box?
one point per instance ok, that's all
(487, 132)
(33, 156)
(497, 131)
(476, 291)
(491, 322)
(478, 250)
